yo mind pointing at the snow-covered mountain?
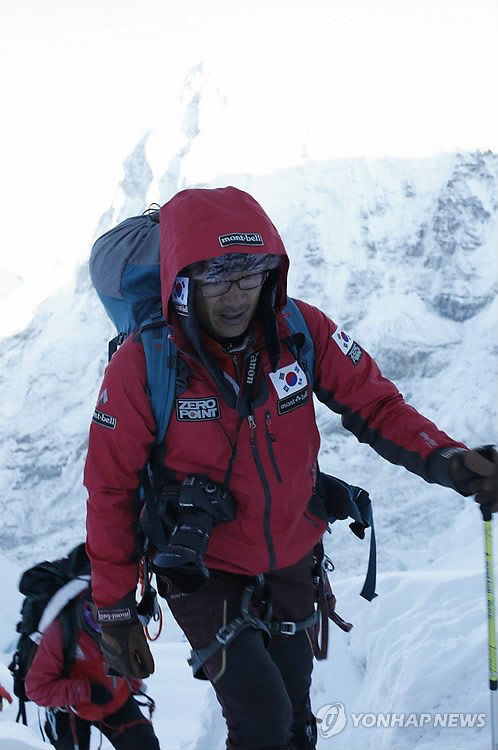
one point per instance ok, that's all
(401, 253)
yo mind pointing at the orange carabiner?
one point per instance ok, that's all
(159, 631)
(141, 578)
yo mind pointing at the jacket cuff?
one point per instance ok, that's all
(438, 467)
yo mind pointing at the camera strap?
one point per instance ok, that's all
(249, 384)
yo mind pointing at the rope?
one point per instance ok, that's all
(116, 730)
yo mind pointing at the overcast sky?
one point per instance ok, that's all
(82, 82)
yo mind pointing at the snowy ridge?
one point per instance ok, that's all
(401, 253)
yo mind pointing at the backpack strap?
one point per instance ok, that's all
(359, 506)
(160, 357)
(302, 343)
(70, 626)
(58, 602)
(343, 500)
(361, 512)
(21, 712)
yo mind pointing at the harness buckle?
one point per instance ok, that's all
(287, 628)
(227, 633)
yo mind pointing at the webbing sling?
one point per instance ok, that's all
(287, 627)
(326, 606)
(366, 519)
(360, 511)
(343, 500)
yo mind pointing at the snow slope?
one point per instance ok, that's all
(401, 253)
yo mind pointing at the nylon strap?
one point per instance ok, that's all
(326, 602)
(223, 638)
(227, 633)
(286, 627)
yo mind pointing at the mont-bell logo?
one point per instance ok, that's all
(252, 239)
(105, 420)
(114, 615)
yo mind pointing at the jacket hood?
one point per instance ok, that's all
(200, 223)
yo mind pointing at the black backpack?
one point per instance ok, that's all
(51, 591)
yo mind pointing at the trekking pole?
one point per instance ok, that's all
(490, 596)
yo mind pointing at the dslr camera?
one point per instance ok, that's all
(191, 515)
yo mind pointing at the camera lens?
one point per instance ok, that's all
(201, 503)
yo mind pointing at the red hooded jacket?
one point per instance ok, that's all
(46, 686)
(270, 439)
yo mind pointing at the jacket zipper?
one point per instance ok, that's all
(236, 367)
(312, 522)
(266, 489)
(313, 477)
(270, 439)
(313, 485)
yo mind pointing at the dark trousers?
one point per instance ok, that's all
(126, 729)
(262, 685)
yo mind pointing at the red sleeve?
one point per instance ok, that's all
(349, 382)
(44, 682)
(5, 694)
(121, 434)
(135, 685)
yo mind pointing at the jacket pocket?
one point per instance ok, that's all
(316, 507)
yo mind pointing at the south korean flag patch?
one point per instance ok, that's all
(343, 340)
(347, 346)
(179, 295)
(291, 386)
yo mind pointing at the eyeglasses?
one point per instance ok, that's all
(218, 288)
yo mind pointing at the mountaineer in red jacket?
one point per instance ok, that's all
(87, 695)
(240, 492)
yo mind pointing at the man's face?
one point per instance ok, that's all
(228, 315)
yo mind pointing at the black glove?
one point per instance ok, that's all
(99, 694)
(475, 472)
(123, 640)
